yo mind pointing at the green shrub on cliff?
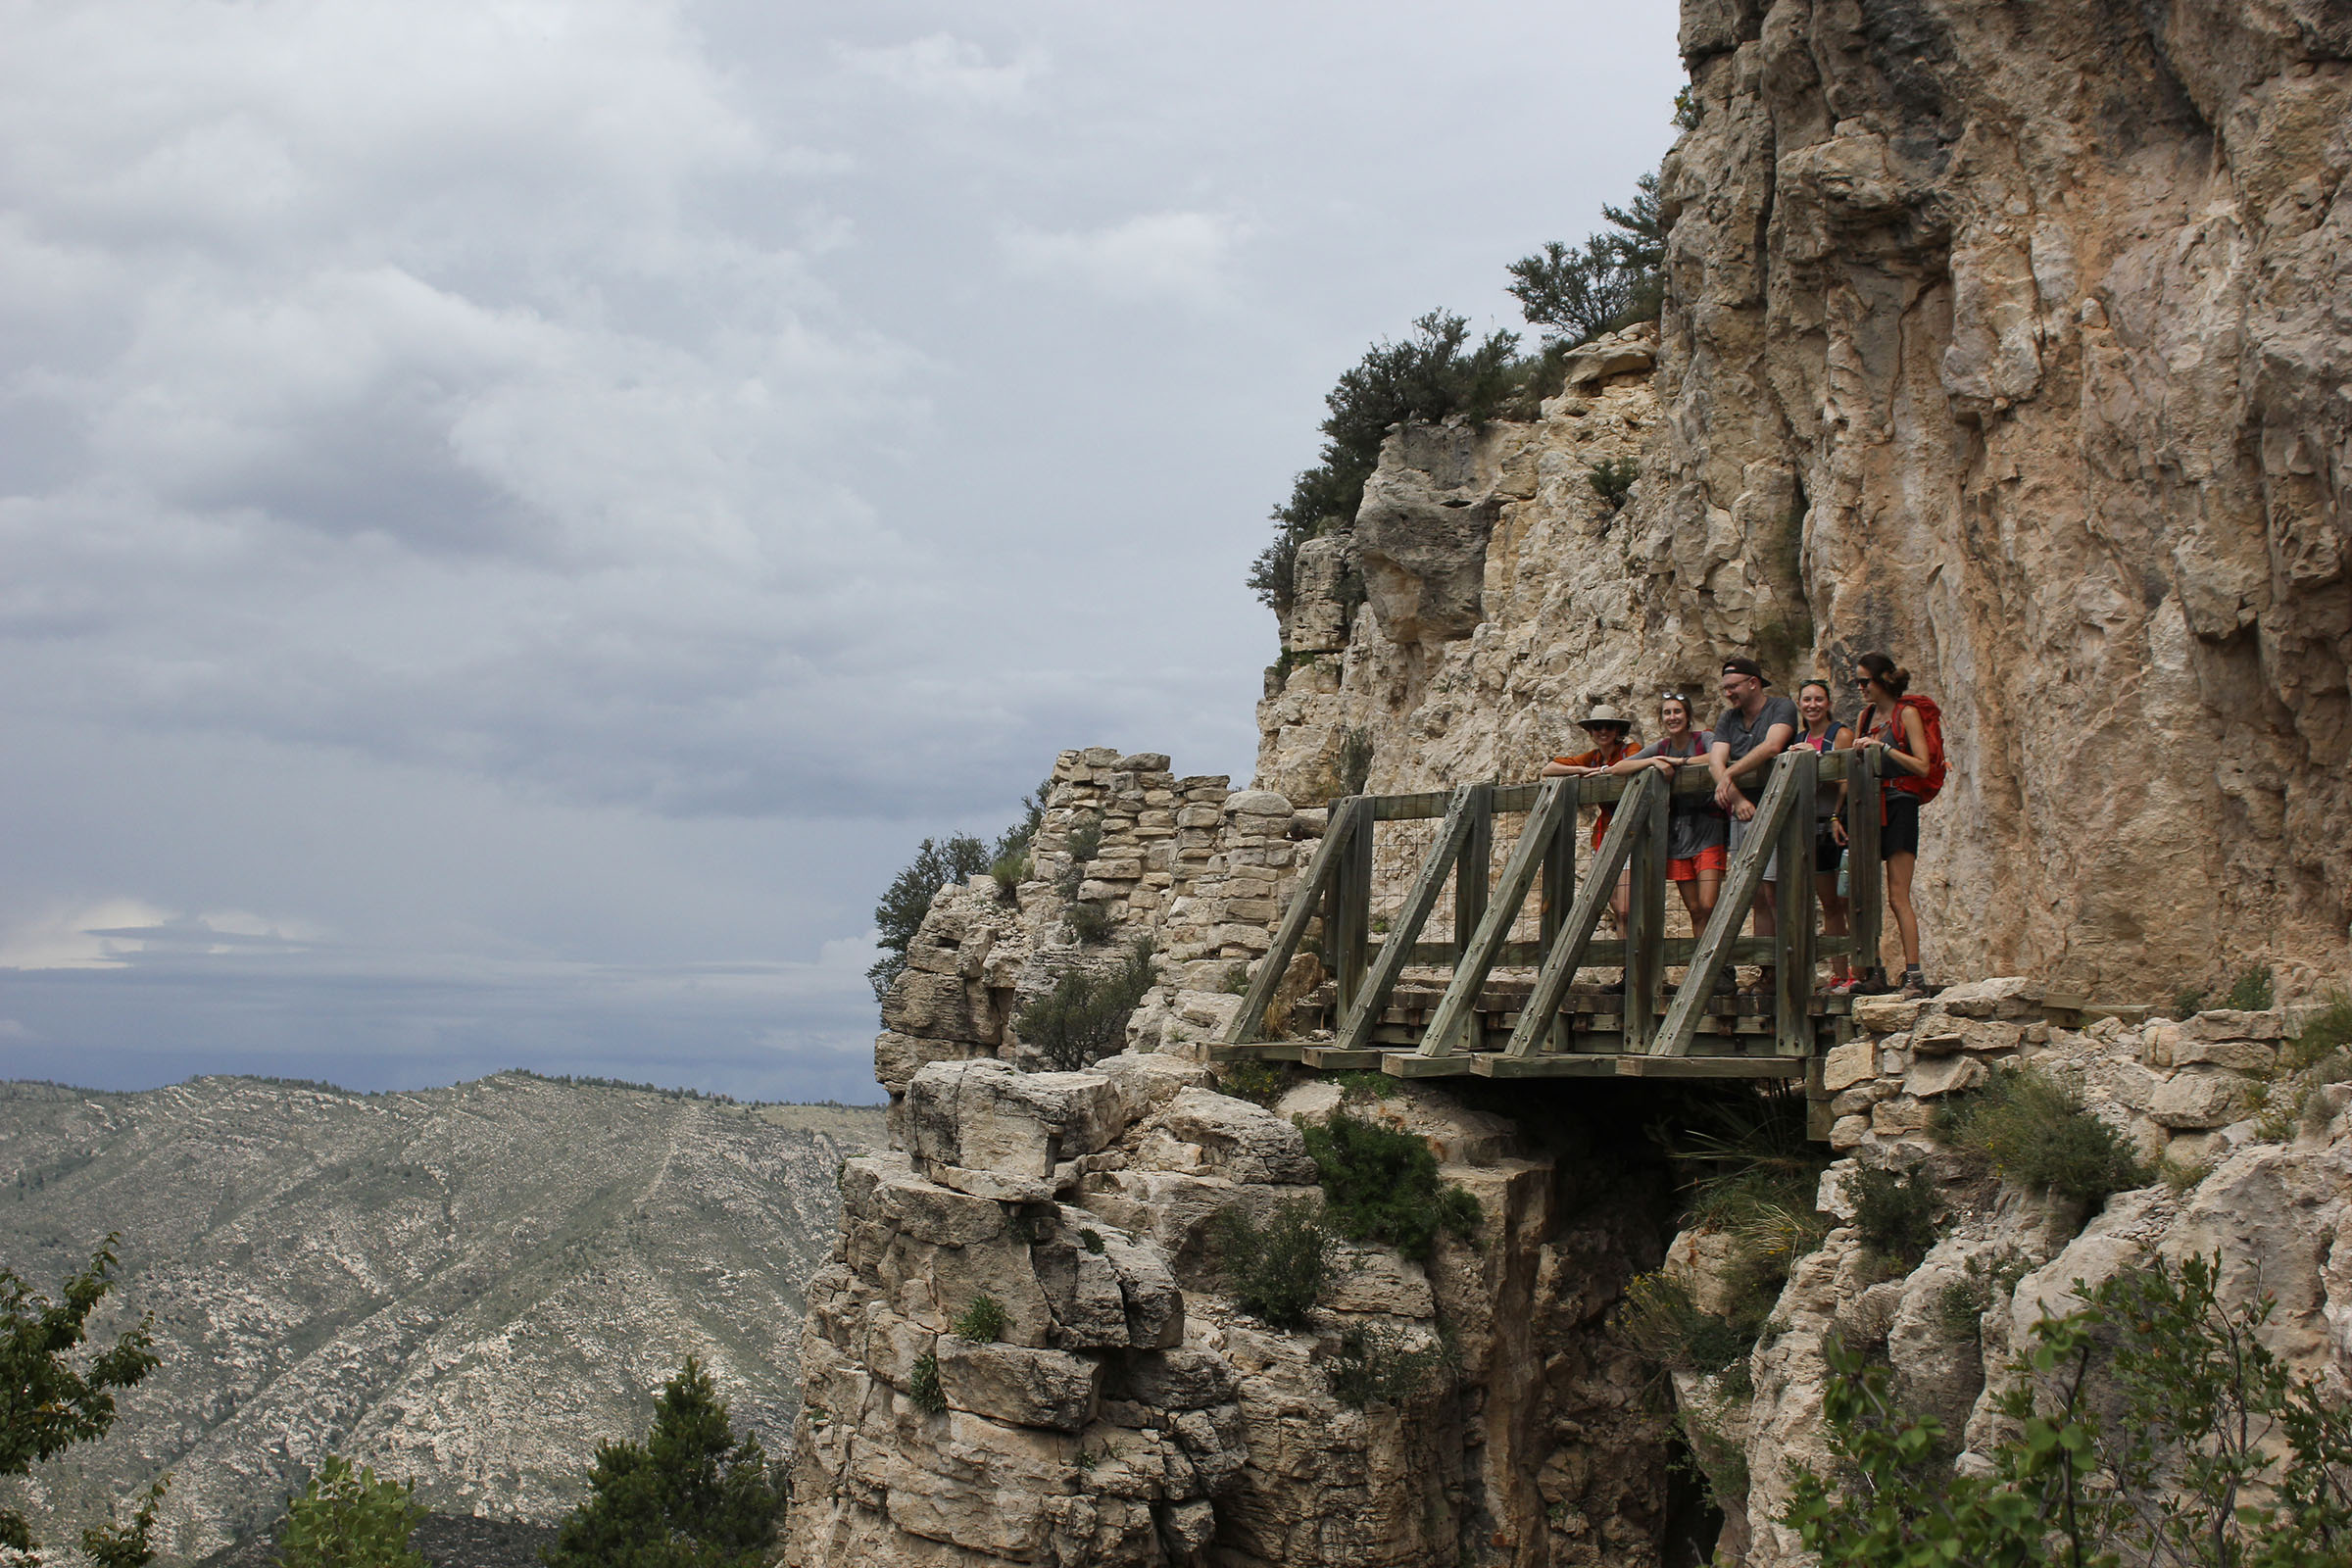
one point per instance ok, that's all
(1382, 1186)
(2152, 1426)
(1434, 372)
(1084, 1017)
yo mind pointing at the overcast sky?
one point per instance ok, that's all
(517, 517)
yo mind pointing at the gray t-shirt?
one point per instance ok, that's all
(1734, 729)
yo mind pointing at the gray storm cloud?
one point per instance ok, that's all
(509, 507)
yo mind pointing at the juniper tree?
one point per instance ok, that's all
(691, 1496)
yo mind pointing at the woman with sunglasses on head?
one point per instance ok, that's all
(1696, 829)
(1908, 730)
(1825, 732)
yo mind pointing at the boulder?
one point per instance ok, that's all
(1930, 1076)
(1205, 1131)
(985, 1116)
(1849, 1064)
(2197, 1098)
(1019, 1386)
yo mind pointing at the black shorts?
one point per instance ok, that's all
(1826, 848)
(1900, 834)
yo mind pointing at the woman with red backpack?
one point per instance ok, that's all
(1909, 730)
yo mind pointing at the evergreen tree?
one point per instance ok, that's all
(347, 1518)
(1436, 372)
(50, 1402)
(908, 897)
(1577, 293)
(691, 1496)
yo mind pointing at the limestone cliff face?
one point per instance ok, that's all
(2014, 339)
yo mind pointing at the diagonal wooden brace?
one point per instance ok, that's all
(1355, 1030)
(1555, 801)
(1584, 915)
(1347, 817)
(1732, 904)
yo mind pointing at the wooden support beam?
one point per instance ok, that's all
(1794, 908)
(1645, 935)
(1655, 1066)
(1738, 892)
(1320, 872)
(1555, 803)
(1568, 952)
(1331, 1058)
(1413, 1064)
(1354, 1032)
(1550, 1064)
(1472, 866)
(1259, 1051)
(1348, 925)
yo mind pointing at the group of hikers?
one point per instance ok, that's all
(1705, 829)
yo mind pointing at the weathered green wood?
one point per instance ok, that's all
(1476, 860)
(1410, 808)
(1567, 953)
(1866, 881)
(1738, 892)
(1644, 940)
(1794, 907)
(1554, 803)
(1413, 1064)
(1355, 1025)
(1348, 923)
(1331, 1058)
(1321, 869)
(1548, 1065)
(1258, 1051)
(1656, 1066)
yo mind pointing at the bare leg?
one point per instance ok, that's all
(1709, 884)
(1695, 903)
(1832, 921)
(1898, 900)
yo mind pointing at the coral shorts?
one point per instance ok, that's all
(1710, 859)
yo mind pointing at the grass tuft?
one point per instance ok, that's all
(983, 1321)
(922, 1387)
(2035, 1132)
(1894, 1212)
(1376, 1365)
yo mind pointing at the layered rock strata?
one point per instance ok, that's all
(1127, 1411)
(2009, 338)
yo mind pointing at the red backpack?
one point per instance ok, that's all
(1925, 786)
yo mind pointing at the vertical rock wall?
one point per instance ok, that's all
(2010, 338)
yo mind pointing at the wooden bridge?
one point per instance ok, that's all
(1513, 1010)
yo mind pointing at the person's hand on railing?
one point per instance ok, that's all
(1728, 795)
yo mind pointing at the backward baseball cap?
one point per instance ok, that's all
(1739, 665)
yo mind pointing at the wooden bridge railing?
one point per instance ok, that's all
(1338, 887)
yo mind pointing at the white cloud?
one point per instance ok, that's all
(86, 937)
(946, 69)
(1157, 255)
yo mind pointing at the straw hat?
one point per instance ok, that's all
(1603, 713)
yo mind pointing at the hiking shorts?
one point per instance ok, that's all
(1711, 859)
(1826, 849)
(1900, 834)
(1772, 867)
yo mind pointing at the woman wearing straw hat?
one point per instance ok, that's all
(1611, 730)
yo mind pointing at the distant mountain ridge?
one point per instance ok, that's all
(471, 1286)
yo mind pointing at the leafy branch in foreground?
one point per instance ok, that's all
(50, 1400)
(2211, 1454)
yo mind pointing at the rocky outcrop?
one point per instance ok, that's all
(2271, 1198)
(1129, 1412)
(2011, 339)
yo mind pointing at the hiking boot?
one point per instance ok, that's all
(1915, 986)
(1844, 986)
(1767, 983)
(1726, 982)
